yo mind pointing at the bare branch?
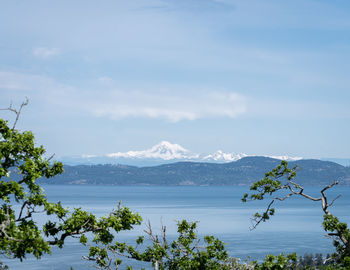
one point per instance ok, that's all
(164, 235)
(20, 214)
(301, 193)
(51, 157)
(284, 198)
(336, 198)
(327, 260)
(17, 112)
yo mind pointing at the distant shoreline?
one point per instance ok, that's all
(239, 173)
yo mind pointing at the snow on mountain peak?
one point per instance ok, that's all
(287, 158)
(169, 151)
(167, 147)
(224, 157)
(163, 150)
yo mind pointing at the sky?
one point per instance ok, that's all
(262, 77)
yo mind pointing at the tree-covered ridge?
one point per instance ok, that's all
(242, 172)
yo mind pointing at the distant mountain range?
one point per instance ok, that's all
(161, 153)
(244, 171)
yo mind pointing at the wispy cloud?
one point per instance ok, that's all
(116, 103)
(105, 99)
(170, 105)
(44, 52)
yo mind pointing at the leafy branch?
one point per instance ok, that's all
(281, 179)
(21, 164)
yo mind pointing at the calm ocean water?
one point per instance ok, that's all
(295, 228)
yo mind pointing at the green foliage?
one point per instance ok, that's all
(21, 164)
(279, 262)
(183, 253)
(19, 234)
(281, 179)
(186, 254)
(342, 238)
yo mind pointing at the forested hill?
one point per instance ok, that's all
(242, 172)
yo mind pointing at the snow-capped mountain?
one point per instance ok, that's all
(163, 150)
(287, 158)
(221, 156)
(161, 153)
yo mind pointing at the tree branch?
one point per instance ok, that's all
(17, 112)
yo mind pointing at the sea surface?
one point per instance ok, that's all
(296, 226)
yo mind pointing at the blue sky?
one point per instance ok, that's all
(263, 77)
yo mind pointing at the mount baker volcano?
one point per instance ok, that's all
(161, 153)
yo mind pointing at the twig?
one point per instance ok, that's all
(17, 112)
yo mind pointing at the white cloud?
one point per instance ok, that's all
(171, 105)
(108, 100)
(44, 52)
(115, 103)
(105, 80)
